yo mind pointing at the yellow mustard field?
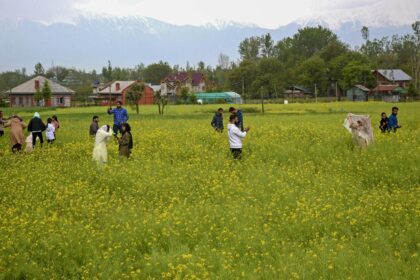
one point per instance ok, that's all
(303, 203)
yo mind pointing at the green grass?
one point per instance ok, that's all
(303, 203)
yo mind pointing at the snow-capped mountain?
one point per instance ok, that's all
(89, 42)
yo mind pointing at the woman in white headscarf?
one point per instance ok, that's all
(100, 153)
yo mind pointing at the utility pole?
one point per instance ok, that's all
(110, 85)
(243, 88)
(336, 92)
(262, 99)
(316, 95)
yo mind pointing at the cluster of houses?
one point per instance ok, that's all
(391, 84)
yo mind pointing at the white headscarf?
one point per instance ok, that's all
(102, 134)
(36, 115)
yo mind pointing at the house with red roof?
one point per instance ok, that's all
(117, 90)
(173, 83)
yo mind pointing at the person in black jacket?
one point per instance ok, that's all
(36, 126)
(217, 121)
(383, 124)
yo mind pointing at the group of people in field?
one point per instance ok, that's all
(361, 129)
(36, 127)
(359, 126)
(105, 133)
(388, 124)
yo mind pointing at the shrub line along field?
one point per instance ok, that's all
(301, 204)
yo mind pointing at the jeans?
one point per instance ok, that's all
(116, 128)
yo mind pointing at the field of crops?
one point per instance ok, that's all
(301, 204)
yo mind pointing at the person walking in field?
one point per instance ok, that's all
(28, 142)
(234, 111)
(120, 117)
(16, 133)
(125, 143)
(36, 126)
(100, 153)
(217, 121)
(235, 136)
(383, 124)
(2, 121)
(393, 120)
(56, 124)
(94, 126)
(360, 128)
(50, 131)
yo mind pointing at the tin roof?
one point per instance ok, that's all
(362, 88)
(394, 75)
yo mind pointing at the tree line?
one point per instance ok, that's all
(314, 57)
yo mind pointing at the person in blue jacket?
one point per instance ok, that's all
(217, 121)
(238, 113)
(393, 120)
(120, 117)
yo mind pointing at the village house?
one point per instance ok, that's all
(194, 82)
(391, 77)
(23, 95)
(358, 93)
(297, 91)
(117, 90)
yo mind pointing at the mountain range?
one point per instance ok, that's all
(90, 42)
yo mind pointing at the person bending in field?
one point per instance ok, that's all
(50, 131)
(100, 153)
(356, 130)
(16, 132)
(120, 117)
(125, 143)
(235, 136)
(393, 120)
(94, 126)
(36, 126)
(240, 123)
(217, 121)
(383, 124)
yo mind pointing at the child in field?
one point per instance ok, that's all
(383, 124)
(235, 136)
(100, 153)
(50, 131)
(28, 142)
(56, 124)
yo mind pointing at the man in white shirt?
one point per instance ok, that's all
(235, 136)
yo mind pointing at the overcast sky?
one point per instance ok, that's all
(265, 13)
